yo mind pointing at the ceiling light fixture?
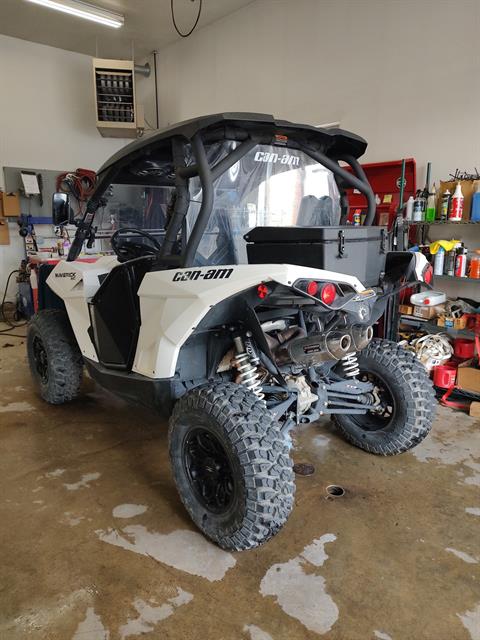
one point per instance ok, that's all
(84, 10)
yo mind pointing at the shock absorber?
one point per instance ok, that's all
(350, 365)
(247, 371)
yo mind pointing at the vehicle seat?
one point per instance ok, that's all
(315, 212)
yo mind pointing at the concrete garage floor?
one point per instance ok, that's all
(95, 544)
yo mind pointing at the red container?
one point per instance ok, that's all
(464, 348)
(444, 376)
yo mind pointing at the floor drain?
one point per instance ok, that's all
(335, 491)
(304, 469)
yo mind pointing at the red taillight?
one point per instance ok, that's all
(428, 274)
(328, 293)
(262, 291)
(312, 288)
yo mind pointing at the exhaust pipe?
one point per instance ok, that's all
(314, 349)
(361, 336)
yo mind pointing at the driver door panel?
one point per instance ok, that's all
(115, 316)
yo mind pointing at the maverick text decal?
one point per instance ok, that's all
(211, 274)
(66, 274)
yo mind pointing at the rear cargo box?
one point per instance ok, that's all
(355, 251)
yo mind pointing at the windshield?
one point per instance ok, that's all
(270, 186)
(134, 206)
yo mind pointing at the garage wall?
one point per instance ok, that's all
(402, 74)
(47, 119)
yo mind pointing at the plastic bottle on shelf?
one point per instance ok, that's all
(456, 208)
(475, 267)
(475, 214)
(439, 262)
(445, 205)
(409, 209)
(430, 210)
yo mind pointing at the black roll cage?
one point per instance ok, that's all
(249, 136)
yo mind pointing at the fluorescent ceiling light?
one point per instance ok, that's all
(84, 10)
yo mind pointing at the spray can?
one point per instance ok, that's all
(357, 218)
(461, 261)
(456, 208)
(450, 261)
(430, 210)
(439, 262)
(419, 208)
(445, 205)
(409, 209)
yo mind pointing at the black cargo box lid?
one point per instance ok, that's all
(311, 235)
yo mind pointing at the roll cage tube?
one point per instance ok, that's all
(360, 183)
(207, 175)
(84, 226)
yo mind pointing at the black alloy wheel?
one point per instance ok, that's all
(41, 359)
(209, 470)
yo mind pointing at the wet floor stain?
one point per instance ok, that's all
(56, 473)
(303, 595)
(462, 555)
(381, 635)
(150, 615)
(16, 407)
(128, 510)
(255, 633)
(185, 550)
(471, 622)
(474, 511)
(84, 482)
(91, 628)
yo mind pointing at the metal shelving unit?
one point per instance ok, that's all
(456, 278)
(431, 327)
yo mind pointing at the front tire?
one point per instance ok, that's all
(56, 364)
(407, 397)
(231, 465)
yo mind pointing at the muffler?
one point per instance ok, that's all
(361, 336)
(315, 349)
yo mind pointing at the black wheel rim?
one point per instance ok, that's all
(381, 417)
(40, 358)
(209, 470)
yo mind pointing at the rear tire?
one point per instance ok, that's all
(231, 465)
(409, 390)
(56, 363)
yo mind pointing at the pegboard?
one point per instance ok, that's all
(31, 206)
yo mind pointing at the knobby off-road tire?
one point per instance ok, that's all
(413, 401)
(241, 492)
(55, 360)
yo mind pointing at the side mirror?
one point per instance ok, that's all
(61, 211)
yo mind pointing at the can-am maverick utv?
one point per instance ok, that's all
(239, 302)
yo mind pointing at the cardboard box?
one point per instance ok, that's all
(427, 313)
(468, 189)
(4, 232)
(406, 309)
(10, 204)
(453, 323)
(468, 378)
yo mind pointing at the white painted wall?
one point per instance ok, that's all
(47, 119)
(403, 74)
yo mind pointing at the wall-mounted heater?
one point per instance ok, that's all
(118, 115)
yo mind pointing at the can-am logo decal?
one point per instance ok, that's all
(211, 274)
(66, 274)
(286, 158)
